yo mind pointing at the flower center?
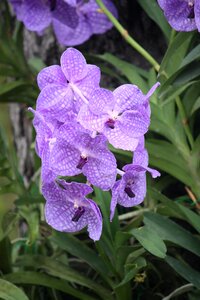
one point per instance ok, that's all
(52, 4)
(78, 214)
(191, 7)
(83, 160)
(110, 123)
(128, 189)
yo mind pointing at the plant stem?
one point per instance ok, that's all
(127, 37)
(184, 121)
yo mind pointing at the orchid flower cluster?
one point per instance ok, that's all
(73, 21)
(75, 121)
(182, 15)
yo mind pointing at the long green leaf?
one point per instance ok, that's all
(36, 278)
(9, 291)
(170, 231)
(184, 271)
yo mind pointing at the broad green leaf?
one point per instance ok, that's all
(150, 241)
(132, 73)
(32, 218)
(178, 210)
(184, 271)
(77, 248)
(155, 13)
(175, 54)
(36, 278)
(192, 55)
(196, 106)
(56, 268)
(170, 231)
(162, 156)
(9, 291)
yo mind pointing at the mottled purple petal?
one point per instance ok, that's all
(71, 2)
(73, 65)
(197, 14)
(101, 171)
(75, 190)
(119, 139)
(51, 75)
(37, 15)
(177, 13)
(65, 14)
(96, 18)
(101, 101)
(113, 204)
(64, 158)
(91, 121)
(134, 123)
(56, 101)
(90, 82)
(72, 37)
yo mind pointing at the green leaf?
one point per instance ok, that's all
(132, 73)
(154, 12)
(9, 291)
(132, 270)
(175, 54)
(192, 55)
(36, 278)
(184, 271)
(150, 241)
(56, 268)
(77, 248)
(196, 106)
(32, 218)
(170, 231)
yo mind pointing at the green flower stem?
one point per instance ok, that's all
(185, 121)
(127, 37)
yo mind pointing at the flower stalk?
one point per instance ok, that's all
(127, 37)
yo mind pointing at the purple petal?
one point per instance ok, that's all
(101, 171)
(37, 15)
(64, 158)
(101, 101)
(197, 14)
(76, 190)
(134, 123)
(18, 8)
(51, 75)
(177, 13)
(55, 101)
(90, 81)
(73, 65)
(91, 121)
(119, 139)
(71, 2)
(113, 204)
(65, 14)
(96, 18)
(72, 37)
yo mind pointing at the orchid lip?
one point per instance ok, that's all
(78, 214)
(191, 14)
(82, 162)
(110, 123)
(52, 5)
(129, 192)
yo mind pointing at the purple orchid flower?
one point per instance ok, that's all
(65, 88)
(45, 130)
(76, 152)
(182, 15)
(130, 190)
(122, 116)
(67, 209)
(91, 21)
(37, 14)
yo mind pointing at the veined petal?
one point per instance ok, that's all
(73, 65)
(55, 100)
(72, 37)
(102, 169)
(102, 101)
(197, 14)
(64, 158)
(37, 15)
(91, 121)
(51, 75)
(66, 14)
